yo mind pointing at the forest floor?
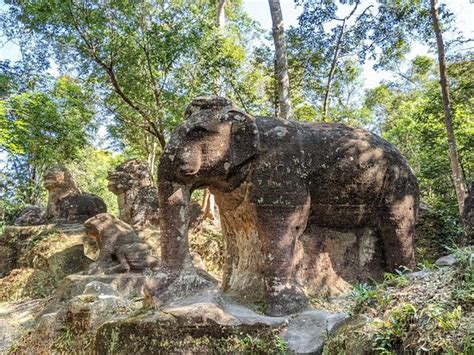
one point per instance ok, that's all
(430, 310)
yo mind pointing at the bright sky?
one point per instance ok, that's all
(462, 9)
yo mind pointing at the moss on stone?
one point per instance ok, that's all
(165, 334)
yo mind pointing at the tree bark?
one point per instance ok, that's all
(453, 154)
(281, 60)
(152, 158)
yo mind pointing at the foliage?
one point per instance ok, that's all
(464, 276)
(46, 127)
(391, 331)
(152, 55)
(436, 230)
(90, 171)
(47, 122)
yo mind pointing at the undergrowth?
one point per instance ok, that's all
(429, 314)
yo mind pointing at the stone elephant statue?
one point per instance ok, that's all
(282, 188)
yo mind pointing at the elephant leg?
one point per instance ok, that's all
(279, 228)
(174, 224)
(397, 228)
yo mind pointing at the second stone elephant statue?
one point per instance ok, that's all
(302, 206)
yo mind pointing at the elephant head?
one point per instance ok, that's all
(207, 150)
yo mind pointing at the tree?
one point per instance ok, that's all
(281, 63)
(324, 41)
(453, 153)
(384, 35)
(40, 127)
(153, 55)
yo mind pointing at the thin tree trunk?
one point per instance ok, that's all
(220, 23)
(453, 154)
(220, 18)
(281, 60)
(152, 158)
(331, 71)
(335, 57)
(275, 99)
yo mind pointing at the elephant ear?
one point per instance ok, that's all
(244, 136)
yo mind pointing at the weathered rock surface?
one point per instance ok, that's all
(15, 319)
(206, 321)
(78, 318)
(447, 260)
(418, 274)
(308, 331)
(136, 196)
(66, 202)
(303, 207)
(120, 248)
(126, 286)
(15, 240)
(40, 261)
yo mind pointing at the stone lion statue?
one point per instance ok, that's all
(120, 248)
(66, 202)
(136, 196)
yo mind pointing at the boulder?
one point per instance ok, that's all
(308, 331)
(447, 260)
(15, 319)
(210, 323)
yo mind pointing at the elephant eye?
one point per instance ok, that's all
(200, 131)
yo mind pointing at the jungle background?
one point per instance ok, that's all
(99, 82)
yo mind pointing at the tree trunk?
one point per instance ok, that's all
(220, 23)
(281, 60)
(220, 18)
(331, 72)
(453, 154)
(152, 158)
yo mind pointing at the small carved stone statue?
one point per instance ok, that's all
(120, 248)
(30, 216)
